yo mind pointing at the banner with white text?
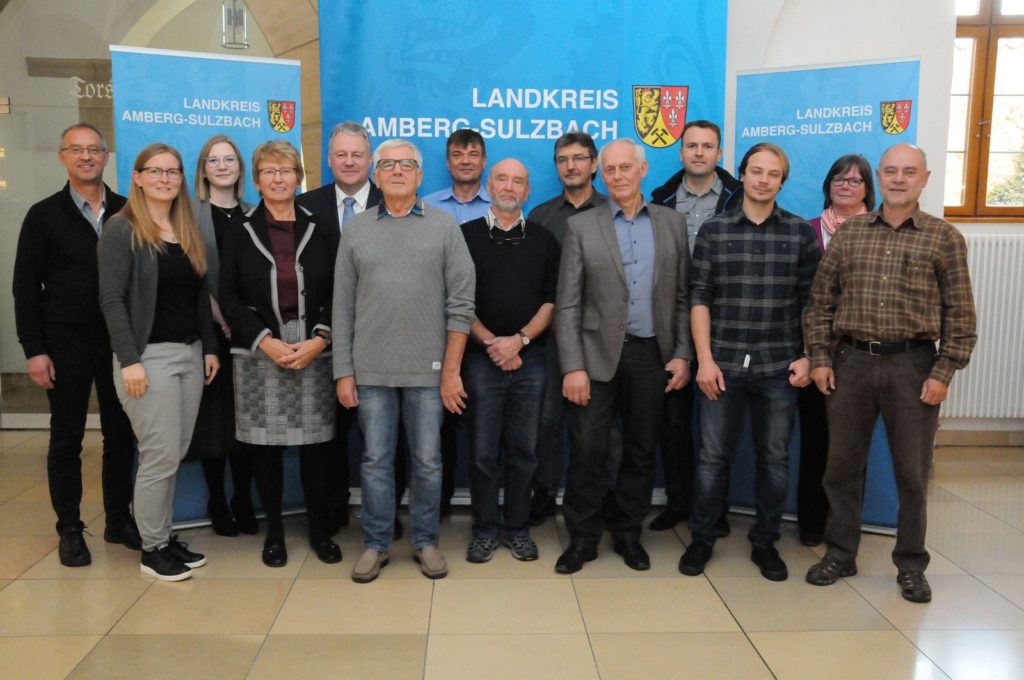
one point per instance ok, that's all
(184, 98)
(522, 74)
(817, 115)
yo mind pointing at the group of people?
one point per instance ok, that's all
(234, 327)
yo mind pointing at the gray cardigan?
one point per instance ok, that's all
(204, 219)
(128, 281)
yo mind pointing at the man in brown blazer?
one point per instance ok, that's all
(622, 325)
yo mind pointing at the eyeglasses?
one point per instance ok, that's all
(271, 173)
(388, 164)
(577, 159)
(157, 173)
(214, 161)
(854, 182)
(83, 150)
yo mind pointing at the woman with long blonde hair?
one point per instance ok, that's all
(154, 297)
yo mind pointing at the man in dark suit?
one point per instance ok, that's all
(349, 157)
(622, 326)
(61, 329)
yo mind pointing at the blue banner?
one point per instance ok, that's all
(184, 98)
(522, 74)
(818, 115)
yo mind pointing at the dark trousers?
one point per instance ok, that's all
(811, 502)
(268, 469)
(677, 447)
(551, 434)
(866, 386)
(637, 391)
(338, 492)
(79, 363)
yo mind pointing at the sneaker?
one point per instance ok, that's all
(772, 566)
(542, 506)
(829, 570)
(914, 586)
(123, 530)
(180, 551)
(73, 551)
(368, 566)
(162, 564)
(481, 550)
(523, 548)
(431, 561)
(693, 560)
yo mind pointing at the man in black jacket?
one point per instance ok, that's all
(61, 329)
(699, 190)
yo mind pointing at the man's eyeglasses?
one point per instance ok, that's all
(852, 181)
(214, 161)
(388, 164)
(577, 159)
(157, 173)
(83, 150)
(271, 173)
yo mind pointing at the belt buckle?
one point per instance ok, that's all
(871, 350)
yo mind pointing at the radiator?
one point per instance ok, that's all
(992, 385)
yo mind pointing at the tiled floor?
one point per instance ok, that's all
(506, 619)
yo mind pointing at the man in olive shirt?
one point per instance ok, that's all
(892, 283)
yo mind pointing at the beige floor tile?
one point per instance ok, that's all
(982, 654)
(731, 556)
(10, 439)
(937, 494)
(875, 558)
(503, 565)
(981, 553)
(505, 606)
(42, 657)
(981, 490)
(672, 605)
(708, 656)
(92, 491)
(1011, 512)
(65, 607)
(1009, 586)
(965, 466)
(206, 607)
(847, 655)
(3, 584)
(964, 518)
(14, 486)
(958, 602)
(664, 548)
(127, 657)
(341, 606)
(23, 464)
(509, 657)
(109, 560)
(19, 553)
(238, 557)
(1007, 460)
(37, 518)
(327, 657)
(761, 605)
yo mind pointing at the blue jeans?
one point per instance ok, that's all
(419, 409)
(772, 405)
(503, 418)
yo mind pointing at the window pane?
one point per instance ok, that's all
(1007, 130)
(1010, 66)
(954, 192)
(967, 8)
(1005, 180)
(957, 140)
(1009, 7)
(963, 63)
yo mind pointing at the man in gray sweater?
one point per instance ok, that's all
(403, 304)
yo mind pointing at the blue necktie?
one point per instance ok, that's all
(349, 212)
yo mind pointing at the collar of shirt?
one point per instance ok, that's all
(492, 224)
(417, 210)
(589, 203)
(773, 217)
(875, 216)
(614, 207)
(715, 188)
(480, 195)
(83, 205)
(361, 196)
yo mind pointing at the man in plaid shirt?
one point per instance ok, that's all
(751, 277)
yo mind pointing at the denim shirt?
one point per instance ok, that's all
(636, 244)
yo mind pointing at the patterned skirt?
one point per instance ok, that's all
(282, 407)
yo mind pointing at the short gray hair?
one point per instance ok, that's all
(349, 127)
(83, 126)
(392, 143)
(638, 150)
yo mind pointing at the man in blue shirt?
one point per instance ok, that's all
(752, 272)
(466, 199)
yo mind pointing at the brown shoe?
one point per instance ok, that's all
(368, 566)
(431, 562)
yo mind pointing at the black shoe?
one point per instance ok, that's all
(772, 566)
(327, 551)
(633, 554)
(693, 560)
(221, 519)
(73, 551)
(829, 570)
(274, 552)
(162, 564)
(180, 551)
(668, 519)
(578, 552)
(245, 518)
(399, 531)
(914, 586)
(811, 538)
(124, 531)
(542, 506)
(722, 528)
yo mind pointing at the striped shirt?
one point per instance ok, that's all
(885, 284)
(755, 280)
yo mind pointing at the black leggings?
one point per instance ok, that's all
(268, 470)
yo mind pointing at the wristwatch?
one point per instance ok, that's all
(524, 337)
(324, 335)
